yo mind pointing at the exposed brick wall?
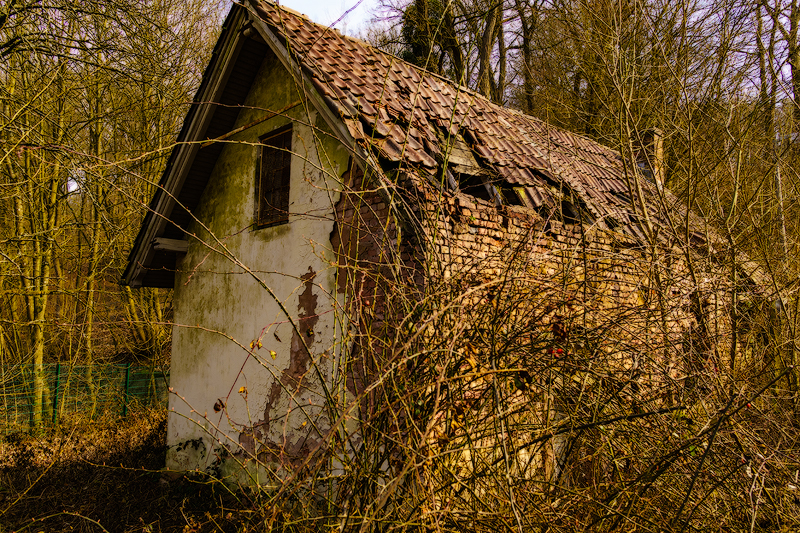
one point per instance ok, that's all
(592, 272)
(600, 272)
(644, 312)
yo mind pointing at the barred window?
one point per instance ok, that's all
(272, 185)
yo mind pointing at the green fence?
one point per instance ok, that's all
(72, 391)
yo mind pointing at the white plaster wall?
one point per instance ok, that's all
(233, 283)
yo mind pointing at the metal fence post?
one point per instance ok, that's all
(55, 393)
(69, 393)
(127, 388)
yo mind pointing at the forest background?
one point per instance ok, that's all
(93, 95)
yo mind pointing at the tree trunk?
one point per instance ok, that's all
(485, 51)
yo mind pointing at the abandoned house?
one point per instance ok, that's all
(312, 168)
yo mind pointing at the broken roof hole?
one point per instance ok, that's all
(511, 195)
(474, 186)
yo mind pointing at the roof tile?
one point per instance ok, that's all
(400, 107)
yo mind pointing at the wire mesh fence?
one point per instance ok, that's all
(71, 391)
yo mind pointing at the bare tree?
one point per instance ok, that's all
(91, 101)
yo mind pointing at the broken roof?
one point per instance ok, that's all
(402, 112)
(394, 114)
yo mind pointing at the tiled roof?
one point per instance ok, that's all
(402, 113)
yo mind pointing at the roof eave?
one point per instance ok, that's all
(186, 147)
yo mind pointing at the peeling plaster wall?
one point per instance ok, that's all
(243, 293)
(225, 393)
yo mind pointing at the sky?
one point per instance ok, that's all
(328, 11)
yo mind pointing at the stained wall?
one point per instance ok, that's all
(256, 319)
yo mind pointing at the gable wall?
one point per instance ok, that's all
(238, 285)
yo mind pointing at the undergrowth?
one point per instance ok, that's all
(107, 477)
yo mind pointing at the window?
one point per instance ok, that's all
(272, 185)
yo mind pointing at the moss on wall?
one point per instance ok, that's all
(240, 290)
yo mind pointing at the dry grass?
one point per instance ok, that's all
(106, 477)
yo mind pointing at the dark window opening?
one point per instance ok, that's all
(474, 186)
(569, 213)
(511, 195)
(272, 185)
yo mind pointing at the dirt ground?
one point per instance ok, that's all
(109, 477)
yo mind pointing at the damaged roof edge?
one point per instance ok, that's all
(396, 111)
(346, 81)
(193, 128)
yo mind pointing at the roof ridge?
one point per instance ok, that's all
(456, 85)
(421, 70)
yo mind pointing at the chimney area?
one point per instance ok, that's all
(650, 156)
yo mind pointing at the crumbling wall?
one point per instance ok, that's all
(590, 272)
(591, 301)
